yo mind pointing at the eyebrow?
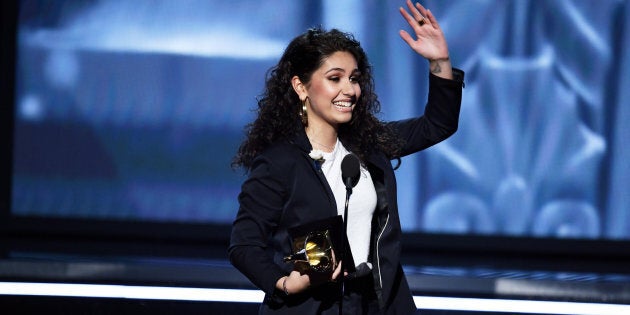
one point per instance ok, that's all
(356, 70)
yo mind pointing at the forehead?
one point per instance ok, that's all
(341, 60)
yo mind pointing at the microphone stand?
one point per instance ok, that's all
(350, 171)
(343, 245)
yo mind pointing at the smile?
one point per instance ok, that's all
(343, 105)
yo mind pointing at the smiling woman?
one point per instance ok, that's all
(122, 118)
(320, 97)
(329, 96)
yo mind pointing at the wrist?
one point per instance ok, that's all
(441, 67)
(443, 59)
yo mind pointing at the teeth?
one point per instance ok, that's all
(343, 104)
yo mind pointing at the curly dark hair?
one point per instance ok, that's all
(279, 106)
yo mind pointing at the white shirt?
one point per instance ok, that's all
(361, 205)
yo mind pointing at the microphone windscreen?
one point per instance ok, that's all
(350, 170)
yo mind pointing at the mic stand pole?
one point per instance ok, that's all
(343, 247)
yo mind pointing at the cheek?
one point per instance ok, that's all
(330, 93)
(321, 89)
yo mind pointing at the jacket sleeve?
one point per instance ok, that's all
(261, 204)
(441, 115)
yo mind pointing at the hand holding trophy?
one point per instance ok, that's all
(316, 247)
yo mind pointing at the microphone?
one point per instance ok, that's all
(350, 171)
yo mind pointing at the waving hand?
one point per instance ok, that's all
(429, 40)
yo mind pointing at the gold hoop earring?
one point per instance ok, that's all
(303, 113)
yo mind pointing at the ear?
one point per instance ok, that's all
(299, 87)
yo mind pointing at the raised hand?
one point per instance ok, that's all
(429, 40)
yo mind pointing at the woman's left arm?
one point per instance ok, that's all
(430, 42)
(440, 119)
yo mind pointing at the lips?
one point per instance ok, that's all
(343, 105)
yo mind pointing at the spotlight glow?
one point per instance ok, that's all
(256, 296)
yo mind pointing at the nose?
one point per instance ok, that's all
(350, 88)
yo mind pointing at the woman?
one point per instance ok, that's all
(319, 100)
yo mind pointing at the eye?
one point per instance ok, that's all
(355, 77)
(334, 79)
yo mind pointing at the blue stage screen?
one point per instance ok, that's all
(133, 110)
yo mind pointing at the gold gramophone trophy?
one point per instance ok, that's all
(316, 246)
(314, 253)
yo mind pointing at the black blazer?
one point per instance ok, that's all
(285, 188)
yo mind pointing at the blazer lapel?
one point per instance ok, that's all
(301, 141)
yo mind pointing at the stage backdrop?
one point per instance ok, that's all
(132, 110)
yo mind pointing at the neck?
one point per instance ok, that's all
(321, 139)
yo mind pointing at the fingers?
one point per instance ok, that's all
(297, 282)
(417, 17)
(431, 18)
(406, 37)
(417, 11)
(337, 271)
(420, 13)
(412, 22)
(422, 10)
(410, 19)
